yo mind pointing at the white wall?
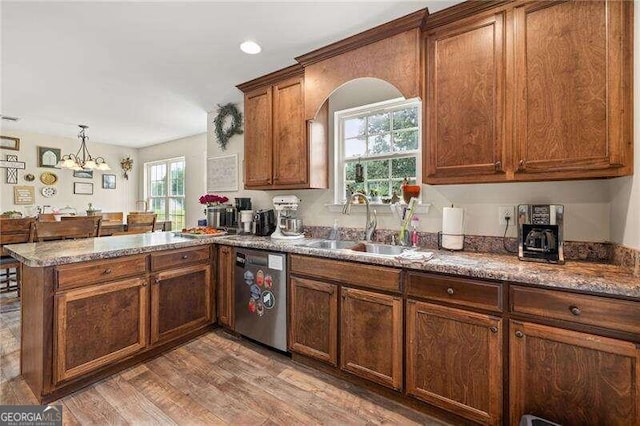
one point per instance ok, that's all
(625, 192)
(194, 150)
(120, 199)
(587, 203)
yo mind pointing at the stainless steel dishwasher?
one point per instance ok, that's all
(261, 297)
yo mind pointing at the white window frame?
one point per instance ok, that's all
(370, 109)
(167, 197)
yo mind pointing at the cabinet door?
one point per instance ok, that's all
(573, 378)
(570, 81)
(313, 327)
(258, 142)
(465, 101)
(372, 321)
(454, 360)
(290, 156)
(225, 285)
(180, 302)
(98, 325)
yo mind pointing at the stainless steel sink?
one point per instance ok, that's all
(332, 244)
(380, 249)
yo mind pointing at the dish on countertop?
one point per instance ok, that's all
(201, 232)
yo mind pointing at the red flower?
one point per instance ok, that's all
(211, 198)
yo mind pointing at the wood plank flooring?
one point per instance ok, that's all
(214, 379)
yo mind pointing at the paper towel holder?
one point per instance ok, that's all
(440, 234)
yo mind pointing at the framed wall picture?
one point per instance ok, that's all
(24, 195)
(109, 181)
(48, 157)
(83, 174)
(7, 142)
(82, 188)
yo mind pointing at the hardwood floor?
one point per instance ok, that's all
(214, 379)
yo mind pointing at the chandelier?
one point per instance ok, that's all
(82, 159)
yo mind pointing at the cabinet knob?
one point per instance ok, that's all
(107, 271)
(450, 291)
(144, 283)
(156, 281)
(519, 334)
(498, 165)
(493, 329)
(575, 310)
(522, 164)
(184, 256)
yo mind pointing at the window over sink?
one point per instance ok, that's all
(384, 139)
(164, 188)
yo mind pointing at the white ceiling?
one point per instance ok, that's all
(141, 73)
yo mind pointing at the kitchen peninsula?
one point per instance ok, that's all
(95, 306)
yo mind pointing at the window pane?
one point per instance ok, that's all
(395, 187)
(354, 148)
(405, 118)
(158, 173)
(176, 213)
(379, 144)
(177, 178)
(350, 171)
(353, 127)
(379, 123)
(403, 167)
(355, 187)
(381, 186)
(405, 140)
(158, 207)
(378, 169)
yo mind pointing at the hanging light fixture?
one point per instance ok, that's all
(82, 159)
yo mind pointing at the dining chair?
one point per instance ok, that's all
(138, 223)
(97, 222)
(46, 217)
(63, 230)
(13, 231)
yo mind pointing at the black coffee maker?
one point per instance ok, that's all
(540, 233)
(264, 222)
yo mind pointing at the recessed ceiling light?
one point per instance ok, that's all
(250, 47)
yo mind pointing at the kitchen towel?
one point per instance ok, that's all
(452, 228)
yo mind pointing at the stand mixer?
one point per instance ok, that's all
(288, 225)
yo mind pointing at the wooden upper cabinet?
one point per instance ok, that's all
(282, 149)
(572, 378)
(572, 89)
(465, 101)
(290, 151)
(258, 138)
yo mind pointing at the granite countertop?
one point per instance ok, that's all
(587, 277)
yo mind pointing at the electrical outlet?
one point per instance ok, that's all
(504, 212)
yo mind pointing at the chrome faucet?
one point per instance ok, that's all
(370, 225)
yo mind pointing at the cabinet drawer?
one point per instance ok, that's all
(457, 291)
(592, 310)
(378, 277)
(173, 258)
(77, 275)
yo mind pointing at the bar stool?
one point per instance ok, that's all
(138, 223)
(63, 230)
(13, 231)
(97, 222)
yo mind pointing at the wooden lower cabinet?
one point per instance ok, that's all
(313, 327)
(371, 336)
(454, 360)
(573, 378)
(97, 325)
(181, 301)
(225, 298)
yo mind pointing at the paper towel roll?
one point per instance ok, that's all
(452, 228)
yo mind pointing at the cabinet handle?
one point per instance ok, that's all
(156, 281)
(107, 271)
(493, 329)
(575, 310)
(522, 164)
(450, 291)
(498, 165)
(144, 283)
(185, 256)
(519, 334)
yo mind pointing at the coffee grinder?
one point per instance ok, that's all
(540, 233)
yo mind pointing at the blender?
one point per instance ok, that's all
(288, 225)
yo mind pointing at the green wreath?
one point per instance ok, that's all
(224, 134)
